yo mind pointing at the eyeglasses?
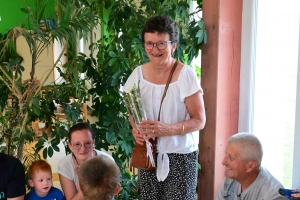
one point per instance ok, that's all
(87, 145)
(160, 45)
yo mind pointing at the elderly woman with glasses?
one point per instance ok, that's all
(81, 143)
(182, 114)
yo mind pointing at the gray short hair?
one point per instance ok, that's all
(251, 148)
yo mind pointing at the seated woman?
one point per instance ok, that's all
(81, 143)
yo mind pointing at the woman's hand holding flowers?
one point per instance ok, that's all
(152, 129)
(137, 136)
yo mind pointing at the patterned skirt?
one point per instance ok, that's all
(180, 183)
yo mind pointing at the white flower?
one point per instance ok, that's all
(130, 88)
(47, 144)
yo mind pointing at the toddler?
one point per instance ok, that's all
(99, 178)
(40, 179)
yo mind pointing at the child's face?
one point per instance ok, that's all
(42, 182)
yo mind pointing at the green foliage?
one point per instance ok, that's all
(24, 101)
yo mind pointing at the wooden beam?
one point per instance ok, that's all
(220, 81)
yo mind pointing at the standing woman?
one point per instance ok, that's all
(182, 114)
(81, 143)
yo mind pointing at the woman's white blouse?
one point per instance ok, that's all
(173, 111)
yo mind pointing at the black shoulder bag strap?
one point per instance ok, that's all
(167, 86)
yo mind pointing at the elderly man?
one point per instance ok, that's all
(245, 177)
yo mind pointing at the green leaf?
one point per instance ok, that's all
(125, 148)
(200, 36)
(45, 136)
(111, 137)
(56, 148)
(37, 149)
(40, 142)
(201, 23)
(200, 33)
(55, 141)
(112, 54)
(36, 106)
(136, 40)
(112, 61)
(114, 82)
(198, 166)
(45, 153)
(116, 75)
(205, 37)
(50, 151)
(106, 123)
(24, 10)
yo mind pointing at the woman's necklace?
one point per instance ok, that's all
(75, 158)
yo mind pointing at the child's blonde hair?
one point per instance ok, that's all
(99, 177)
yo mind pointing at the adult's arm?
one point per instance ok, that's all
(17, 198)
(195, 107)
(16, 185)
(69, 189)
(135, 132)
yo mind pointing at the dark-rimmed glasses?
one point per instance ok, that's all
(160, 45)
(87, 145)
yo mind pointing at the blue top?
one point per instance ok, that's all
(54, 194)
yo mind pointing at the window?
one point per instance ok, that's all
(270, 54)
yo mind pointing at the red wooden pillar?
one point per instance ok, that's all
(221, 58)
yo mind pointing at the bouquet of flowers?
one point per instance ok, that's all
(134, 105)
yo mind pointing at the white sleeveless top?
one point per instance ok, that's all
(173, 111)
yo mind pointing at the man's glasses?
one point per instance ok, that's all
(87, 145)
(160, 45)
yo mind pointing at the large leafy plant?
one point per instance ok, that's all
(30, 99)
